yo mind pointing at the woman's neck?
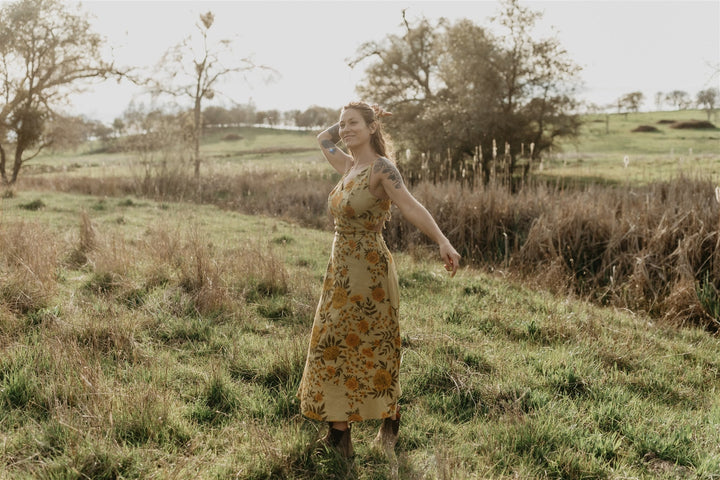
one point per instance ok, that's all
(363, 156)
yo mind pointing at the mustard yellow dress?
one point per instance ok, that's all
(353, 363)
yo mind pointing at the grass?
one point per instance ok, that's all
(583, 230)
(173, 347)
(148, 337)
(596, 156)
(599, 152)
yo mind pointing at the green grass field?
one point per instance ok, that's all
(594, 156)
(599, 152)
(175, 348)
(145, 339)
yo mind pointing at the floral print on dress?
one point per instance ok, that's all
(353, 363)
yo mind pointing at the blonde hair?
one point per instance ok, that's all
(378, 140)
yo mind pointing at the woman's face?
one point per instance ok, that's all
(353, 129)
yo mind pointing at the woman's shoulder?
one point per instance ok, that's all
(385, 170)
(383, 163)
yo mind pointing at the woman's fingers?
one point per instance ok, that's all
(452, 262)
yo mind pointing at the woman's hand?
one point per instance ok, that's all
(451, 258)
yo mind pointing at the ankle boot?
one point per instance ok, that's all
(340, 441)
(388, 434)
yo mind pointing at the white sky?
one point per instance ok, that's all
(623, 46)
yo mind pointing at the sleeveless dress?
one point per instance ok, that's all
(353, 362)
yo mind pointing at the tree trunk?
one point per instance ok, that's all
(197, 119)
(2, 166)
(17, 164)
(196, 136)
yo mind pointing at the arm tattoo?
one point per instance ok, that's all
(330, 145)
(335, 132)
(385, 167)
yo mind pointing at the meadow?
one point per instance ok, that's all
(152, 327)
(598, 154)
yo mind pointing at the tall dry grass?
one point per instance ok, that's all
(209, 279)
(29, 260)
(292, 196)
(654, 248)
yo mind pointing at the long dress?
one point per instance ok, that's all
(353, 362)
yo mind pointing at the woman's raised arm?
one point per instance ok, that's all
(328, 140)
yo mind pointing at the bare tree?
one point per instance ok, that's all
(193, 70)
(679, 98)
(47, 51)
(707, 100)
(659, 98)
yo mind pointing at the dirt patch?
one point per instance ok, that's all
(693, 124)
(232, 136)
(645, 128)
(665, 468)
(665, 122)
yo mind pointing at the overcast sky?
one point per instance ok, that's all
(623, 46)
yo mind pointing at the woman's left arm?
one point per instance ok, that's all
(392, 183)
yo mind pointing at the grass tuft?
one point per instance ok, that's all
(34, 205)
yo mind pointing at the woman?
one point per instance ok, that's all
(353, 362)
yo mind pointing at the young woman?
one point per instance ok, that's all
(353, 362)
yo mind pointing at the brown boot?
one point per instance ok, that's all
(387, 437)
(340, 441)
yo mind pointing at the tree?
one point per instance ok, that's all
(118, 126)
(151, 129)
(315, 116)
(216, 116)
(243, 114)
(271, 117)
(193, 70)
(403, 77)
(47, 51)
(68, 132)
(659, 98)
(455, 89)
(538, 81)
(679, 98)
(707, 100)
(630, 102)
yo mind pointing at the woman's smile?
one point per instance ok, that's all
(353, 129)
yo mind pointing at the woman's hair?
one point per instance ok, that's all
(378, 140)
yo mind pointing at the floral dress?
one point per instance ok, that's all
(353, 362)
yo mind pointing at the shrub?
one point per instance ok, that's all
(36, 204)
